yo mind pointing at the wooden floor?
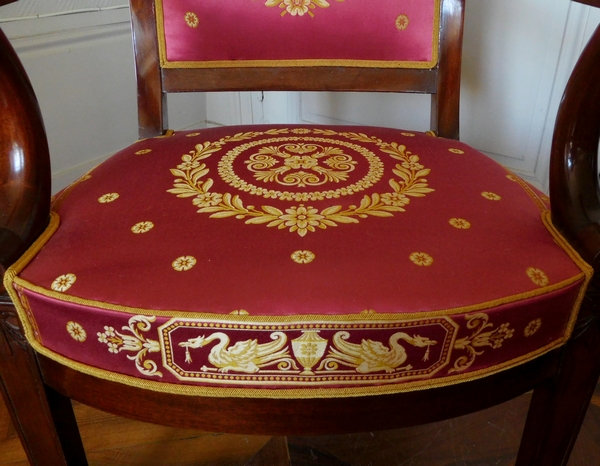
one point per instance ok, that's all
(487, 438)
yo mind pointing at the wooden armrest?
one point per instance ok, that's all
(574, 190)
(24, 160)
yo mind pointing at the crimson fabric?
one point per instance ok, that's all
(192, 32)
(299, 261)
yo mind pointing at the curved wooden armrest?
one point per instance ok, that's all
(24, 160)
(574, 190)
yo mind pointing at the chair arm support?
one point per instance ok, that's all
(24, 160)
(574, 189)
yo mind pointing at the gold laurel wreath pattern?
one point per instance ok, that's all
(191, 182)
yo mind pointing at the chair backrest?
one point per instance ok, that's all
(298, 45)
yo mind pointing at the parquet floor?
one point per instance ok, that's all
(486, 438)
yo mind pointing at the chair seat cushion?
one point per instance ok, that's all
(298, 262)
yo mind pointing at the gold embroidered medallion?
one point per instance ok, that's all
(300, 158)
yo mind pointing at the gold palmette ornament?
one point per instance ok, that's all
(309, 349)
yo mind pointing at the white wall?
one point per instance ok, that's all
(81, 67)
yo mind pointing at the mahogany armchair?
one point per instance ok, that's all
(298, 280)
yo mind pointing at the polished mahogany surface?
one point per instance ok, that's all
(24, 186)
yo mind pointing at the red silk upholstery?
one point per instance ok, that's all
(216, 33)
(298, 262)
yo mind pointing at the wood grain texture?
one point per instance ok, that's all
(484, 438)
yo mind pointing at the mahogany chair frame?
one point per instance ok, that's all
(38, 391)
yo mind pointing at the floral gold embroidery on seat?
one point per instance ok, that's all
(532, 327)
(493, 337)
(64, 282)
(301, 152)
(538, 276)
(142, 227)
(491, 196)
(460, 223)
(136, 342)
(183, 263)
(107, 198)
(422, 259)
(76, 331)
(303, 257)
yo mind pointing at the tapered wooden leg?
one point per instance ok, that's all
(43, 418)
(274, 453)
(558, 407)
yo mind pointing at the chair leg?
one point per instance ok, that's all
(274, 453)
(43, 418)
(558, 407)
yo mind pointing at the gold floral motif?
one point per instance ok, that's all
(192, 19)
(402, 22)
(76, 331)
(309, 349)
(460, 223)
(298, 7)
(264, 161)
(244, 356)
(479, 339)
(537, 276)
(183, 263)
(136, 342)
(372, 356)
(64, 282)
(408, 135)
(491, 196)
(302, 156)
(106, 198)
(143, 151)
(142, 227)
(191, 135)
(300, 130)
(456, 151)
(301, 219)
(303, 257)
(532, 327)
(240, 312)
(421, 259)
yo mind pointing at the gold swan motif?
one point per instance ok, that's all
(373, 356)
(244, 356)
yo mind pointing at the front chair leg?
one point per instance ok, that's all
(558, 407)
(43, 418)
